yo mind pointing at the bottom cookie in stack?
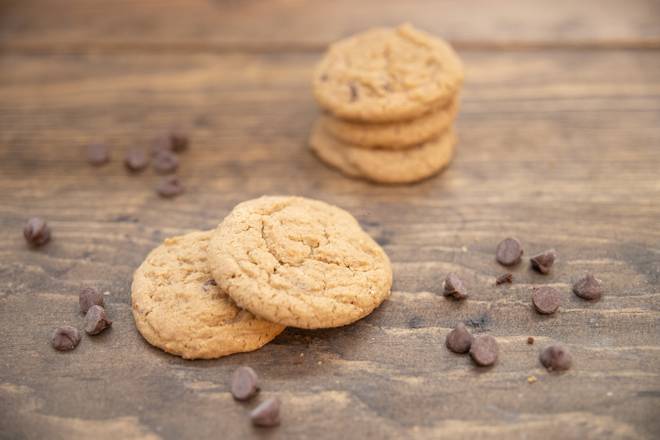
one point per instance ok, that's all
(381, 165)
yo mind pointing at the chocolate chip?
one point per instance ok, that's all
(530, 340)
(89, 297)
(354, 92)
(546, 299)
(324, 77)
(179, 140)
(169, 186)
(267, 413)
(505, 278)
(36, 232)
(96, 320)
(136, 160)
(588, 287)
(453, 286)
(98, 154)
(459, 339)
(509, 251)
(483, 350)
(165, 162)
(556, 358)
(65, 338)
(544, 261)
(244, 383)
(209, 283)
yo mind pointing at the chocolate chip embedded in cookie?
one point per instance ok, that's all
(299, 262)
(178, 310)
(384, 166)
(387, 74)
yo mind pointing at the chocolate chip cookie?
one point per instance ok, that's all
(387, 74)
(179, 308)
(299, 262)
(384, 166)
(392, 135)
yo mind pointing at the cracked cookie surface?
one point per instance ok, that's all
(387, 74)
(392, 135)
(179, 308)
(299, 262)
(384, 166)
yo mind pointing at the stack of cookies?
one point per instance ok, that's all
(390, 97)
(273, 262)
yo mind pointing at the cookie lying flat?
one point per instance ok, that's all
(299, 262)
(387, 74)
(384, 166)
(392, 135)
(178, 308)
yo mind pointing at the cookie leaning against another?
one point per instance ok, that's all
(392, 135)
(178, 308)
(384, 166)
(386, 74)
(299, 262)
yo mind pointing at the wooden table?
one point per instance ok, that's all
(559, 146)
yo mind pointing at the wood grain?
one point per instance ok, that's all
(202, 25)
(559, 147)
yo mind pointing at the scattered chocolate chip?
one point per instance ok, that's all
(588, 287)
(267, 413)
(556, 358)
(546, 299)
(543, 261)
(89, 297)
(136, 160)
(509, 251)
(209, 283)
(98, 154)
(530, 340)
(459, 339)
(483, 350)
(505, 278)
(354, 92)
(179, 140)
(36, 232)
(96, 320)
(165, 162)
(65, 338)
(169, 186)
(453, 286)
(244, 383)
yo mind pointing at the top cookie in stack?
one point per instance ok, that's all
(390, 97)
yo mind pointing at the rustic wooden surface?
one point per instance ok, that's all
(559, 146)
